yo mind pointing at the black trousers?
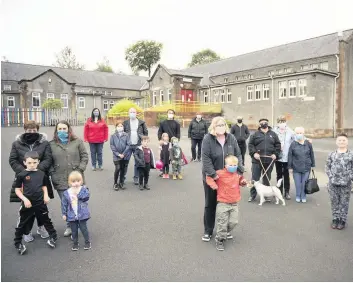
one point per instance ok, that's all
(30, 224)
(120, 170)
(210, 208)
(283, 172)
(194, 143)
(42, 213)
(242, 146)
(144, 174)
(257, 171)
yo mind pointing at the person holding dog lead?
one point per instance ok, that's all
(264, 149)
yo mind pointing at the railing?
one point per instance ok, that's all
(45, 117)
(186, 106)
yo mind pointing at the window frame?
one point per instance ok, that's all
(154, 98)
(169, 94)
(205, 96)
(105, 103)
(292, 87)
(81, 99)
(229, 94)
(111, 104)
(326, 64)
(36, 95)
(51, 94)
(248, 91)
(222, 96)
(282, 88)
(12, 99)
(62, 98)
(216, 96)
(265, 89)
(302, 83)
(225, 80)
(257, 90)
(108, 93)
(7, 87)
(161, 97)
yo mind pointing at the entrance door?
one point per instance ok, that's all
(187, 95)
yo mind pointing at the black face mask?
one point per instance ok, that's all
(264, 126)
(240, 121)
(30, 137)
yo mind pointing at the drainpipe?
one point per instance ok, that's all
(272, 102)
(94, 100)
(334, 96)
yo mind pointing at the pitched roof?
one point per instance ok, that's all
(18, 71)
(301, 50)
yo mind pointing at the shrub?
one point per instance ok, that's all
(53, 104)
(122, 108)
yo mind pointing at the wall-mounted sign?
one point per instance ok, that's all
(309, 98)
(187, 80)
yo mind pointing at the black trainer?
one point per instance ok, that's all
(341, 225)
(52, 242)
(116, 187)
(141, 187)
(334, 223)
(220, 245)
(87, 246)
(75, 247)
(147, 187)
(21, 249)
(287, 196)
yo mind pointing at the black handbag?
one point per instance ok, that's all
(311, 185)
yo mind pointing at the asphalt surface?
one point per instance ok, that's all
(156, 235)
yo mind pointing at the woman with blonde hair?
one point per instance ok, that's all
(216, 146)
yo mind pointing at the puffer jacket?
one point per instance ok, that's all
(120, 144)
(67, 158)
(228, 186)
(82, 206)
(18, 151)
(213, 154)
(197, 129)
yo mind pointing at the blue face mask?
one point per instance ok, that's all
(132, 115)
(232, 169)
(299, 137)
(95, 113)
(63, 136)
(175, 143)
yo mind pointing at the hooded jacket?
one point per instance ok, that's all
(120, 144)
(95, 132)
(82, 206)
(140, 159)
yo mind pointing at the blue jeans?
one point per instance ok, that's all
(132, 151)
(96, 154)
(83, 227)
(299, 180)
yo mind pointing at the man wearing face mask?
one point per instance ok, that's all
(241, 133)
(197, 130)
(169, 126)
(264, 144)
(136, 129)
(31, 140)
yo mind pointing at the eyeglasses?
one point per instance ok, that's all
(220, 126)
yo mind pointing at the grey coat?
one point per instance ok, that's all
(67, 158)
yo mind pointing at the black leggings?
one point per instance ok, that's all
(120, 169)
(166, 169)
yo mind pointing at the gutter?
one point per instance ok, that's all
(334, 96)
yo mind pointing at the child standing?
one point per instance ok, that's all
(119, 144)
(164, 147)
(228, 195)
(176, 157)
(31, 187)
(74, 209)
(144, 162)
(339, 169)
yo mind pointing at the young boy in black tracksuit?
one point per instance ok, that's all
(144, 162)
(31, 187)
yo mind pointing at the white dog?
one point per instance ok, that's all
(268, 191)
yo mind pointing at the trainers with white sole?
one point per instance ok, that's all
(28, 238)
(42, 232)
(67, 232)
(229, 236)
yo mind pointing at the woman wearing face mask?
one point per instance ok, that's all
(301, 160)
(120, 146)
(69, 154)
(96, 134)
(216, 146)
(31, 140)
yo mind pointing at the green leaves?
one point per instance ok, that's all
(104, 66)
(53, 104)
(203, 57)
(142, 55)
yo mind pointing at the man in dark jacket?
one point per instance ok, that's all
(136, 129)
(197, 130)
(31, 140)
(169, 126)
(241, 133)
(264, 145)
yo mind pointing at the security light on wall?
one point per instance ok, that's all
(49, 81)
(181, 85)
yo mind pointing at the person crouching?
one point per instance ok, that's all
(228, 195)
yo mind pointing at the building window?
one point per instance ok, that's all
(50, 96)
(304, 67)
(314, 66)
(35, 99)
(11, 101)
(205, 97)
(65, 100)
(292, 88)
(111, 104)
(154, 98)
(223, 96)
(81, 102)
(244, 77)
(161, 97)
(215, 96)
(271, 73)
(302, 87)
(288, 70)
(250, 77)
(225, 80)
(109, 93)
(324, 65)
(282, 89)
(169, 95)
(280, 71)
(229, 95)
(7, 87)
(236, 78)
(250, 90)
(257, 92)
(105, 105)
(266, 90)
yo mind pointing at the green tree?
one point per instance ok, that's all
(53, 104)
(142, 55)
(203, 57)
(104, 66)
(67, 59)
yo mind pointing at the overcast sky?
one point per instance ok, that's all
(34, 30)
